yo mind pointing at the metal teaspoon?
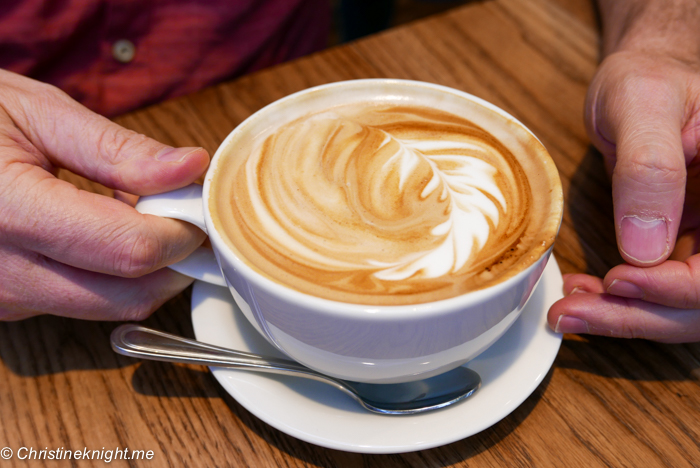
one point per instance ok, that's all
(402, 398)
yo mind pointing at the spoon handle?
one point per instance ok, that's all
(146, 343)
(413, 397)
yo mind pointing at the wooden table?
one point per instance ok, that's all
(606, 402)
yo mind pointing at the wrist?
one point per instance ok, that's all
(656, 27)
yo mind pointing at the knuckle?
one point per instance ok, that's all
(688, 297)
(649, 170)
(114, 143)
(44, 98)
(138, 254)
(625, 320)
(639, 84)
(110, 143)
(38, 93)
(640, 76)
(645, 163)
(633, 327)
(676, 284)
(631, 331)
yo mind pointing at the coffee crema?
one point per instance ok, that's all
(379, 204)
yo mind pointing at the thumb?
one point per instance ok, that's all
(642, 117)
(75, 138)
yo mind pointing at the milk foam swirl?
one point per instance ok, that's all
(381, 201)
(462, 180)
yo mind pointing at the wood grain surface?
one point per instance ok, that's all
(606, 402)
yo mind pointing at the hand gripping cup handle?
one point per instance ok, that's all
(186, 204)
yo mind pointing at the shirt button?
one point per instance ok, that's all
(123, 51)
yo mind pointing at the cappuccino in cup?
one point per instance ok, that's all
(390, 201)
(377, 231)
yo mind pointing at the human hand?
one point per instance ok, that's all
(68, 252)
(643, 114)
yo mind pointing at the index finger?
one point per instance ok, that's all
(73, 137)
(672, 283)
(609, 315)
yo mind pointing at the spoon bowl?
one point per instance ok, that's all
(401, 398)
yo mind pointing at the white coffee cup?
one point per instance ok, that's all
(367, 343)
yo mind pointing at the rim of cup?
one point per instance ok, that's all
(330, 306)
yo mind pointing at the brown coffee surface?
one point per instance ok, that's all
(383, 204)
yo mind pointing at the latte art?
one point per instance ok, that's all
(377, 204)
(466, 183)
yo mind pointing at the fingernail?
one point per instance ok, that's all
(175, 154)
(576, 290)
(643, 240)
(567, 324)
(625, 289)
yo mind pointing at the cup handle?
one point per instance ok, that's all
(186, 204)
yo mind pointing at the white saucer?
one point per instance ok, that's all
(511, 369)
